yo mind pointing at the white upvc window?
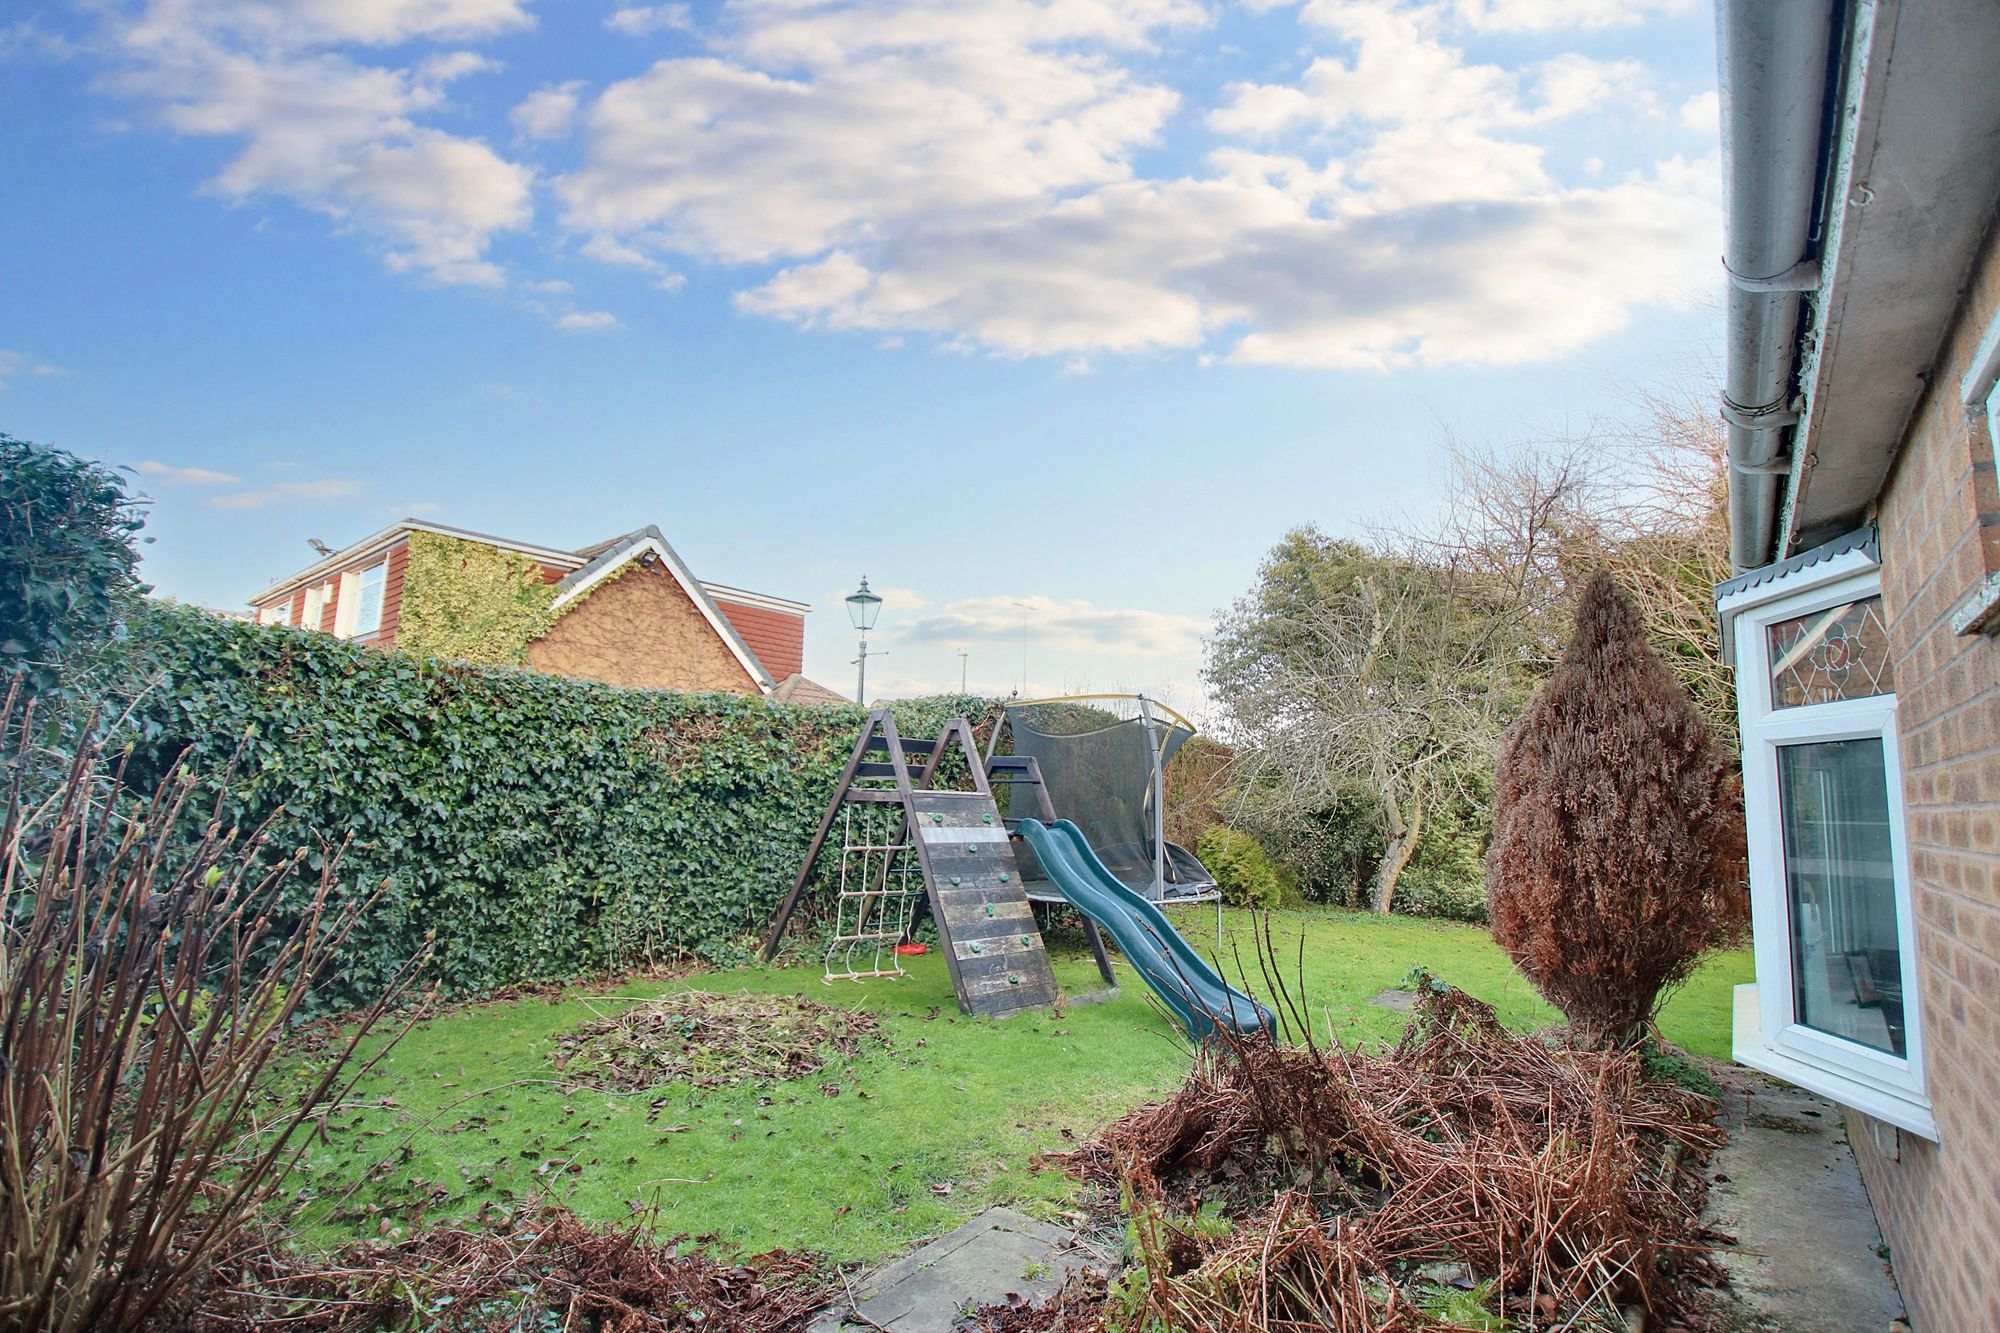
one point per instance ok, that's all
(315, 606)
(1836, 1006)
(275, 614)
(361, 599)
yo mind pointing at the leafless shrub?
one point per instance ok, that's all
(1564, 1177)
(541, 1270)
(146, 992)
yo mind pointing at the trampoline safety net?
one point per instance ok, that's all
(1096, 758)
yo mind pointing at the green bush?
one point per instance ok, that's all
(1242, 871)
(1446, 876)
(67, 563)
(1330, 855)
(539, 827)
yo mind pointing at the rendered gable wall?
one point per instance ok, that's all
(639, 629)
(1939, 515)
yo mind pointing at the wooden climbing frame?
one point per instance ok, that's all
(986, 927)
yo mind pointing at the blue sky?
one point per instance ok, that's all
(1075, 304)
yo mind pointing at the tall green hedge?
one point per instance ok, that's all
(67, 560)
(533, 827)
(538, 827)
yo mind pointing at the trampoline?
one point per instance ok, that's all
(1103, 760)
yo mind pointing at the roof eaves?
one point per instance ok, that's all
(745, 597)
(1866, 539)
(387, 536)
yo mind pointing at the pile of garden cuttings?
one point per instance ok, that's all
(1473, 1179)
(711, 1041)
(547, 1270)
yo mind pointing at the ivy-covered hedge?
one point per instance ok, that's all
(537, 827)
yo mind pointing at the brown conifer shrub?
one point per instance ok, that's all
(1617, 857)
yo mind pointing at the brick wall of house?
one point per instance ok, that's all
(778, 638)
(640, 629)
(1939, 1204)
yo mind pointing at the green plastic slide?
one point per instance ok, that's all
(1192, 989)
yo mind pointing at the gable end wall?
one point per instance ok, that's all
(639, 629)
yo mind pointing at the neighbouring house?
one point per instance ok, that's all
(1862, 163)
(625, 611)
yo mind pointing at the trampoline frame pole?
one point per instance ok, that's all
(1159, 799)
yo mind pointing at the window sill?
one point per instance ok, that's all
(1981, 612)
(1747, 1048)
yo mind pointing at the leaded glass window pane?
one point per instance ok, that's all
(1841, 652)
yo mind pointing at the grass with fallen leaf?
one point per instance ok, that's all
(870, 1152)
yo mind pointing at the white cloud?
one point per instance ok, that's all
(330, 132)
(172, 25)
(970, 174)
(329, 489)
(587, 321)
(1542, 16)
(13, 365)
(1056, 627)
(976, 172)
(169, 475)
(1703, 112)
(639, 20)
(547, 113)
(833, 124)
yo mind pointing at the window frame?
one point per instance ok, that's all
(1979, 395)
(1768, 1034)
(359, 601)
(315, 608)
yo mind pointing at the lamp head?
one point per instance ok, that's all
(863, 606)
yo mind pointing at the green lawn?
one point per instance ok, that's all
(466, 1110)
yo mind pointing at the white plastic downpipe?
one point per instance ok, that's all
(1773, 57)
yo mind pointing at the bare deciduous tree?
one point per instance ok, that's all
(1394, 670)
(1392, 667)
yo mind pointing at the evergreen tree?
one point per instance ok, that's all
(1617, 857)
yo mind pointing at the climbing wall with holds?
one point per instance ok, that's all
(985, 926)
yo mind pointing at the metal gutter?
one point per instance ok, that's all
(1774, 73)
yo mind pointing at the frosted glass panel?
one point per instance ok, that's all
(1840, 886)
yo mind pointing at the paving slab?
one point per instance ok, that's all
(998, 1254)
(1807, 1257)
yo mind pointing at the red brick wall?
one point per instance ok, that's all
(1939, 1203)
(775, 638)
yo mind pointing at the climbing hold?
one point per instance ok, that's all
(977, 947)
(1003, 877)
(1013, 980)
(937, 819)
(1024, 939)
(991, 910)
(954, 879)
(986, 819)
